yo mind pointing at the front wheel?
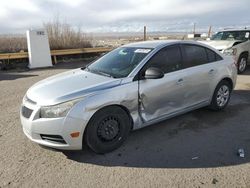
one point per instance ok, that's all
(242, 64)
(221, 96)
(107, 129)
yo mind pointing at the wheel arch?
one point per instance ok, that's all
(229, 80)
(245, 53)
(112, 105)
(127, 112)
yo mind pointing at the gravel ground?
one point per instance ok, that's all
(198, 149)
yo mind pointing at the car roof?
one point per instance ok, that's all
(247, 30)
(162, 43)
(151, 44)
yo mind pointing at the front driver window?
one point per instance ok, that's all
(167, 59)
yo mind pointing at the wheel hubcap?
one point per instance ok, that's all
(108, 129)
(223, 95)
(242, 64)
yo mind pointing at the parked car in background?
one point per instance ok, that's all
(131, 87)
(234, 43)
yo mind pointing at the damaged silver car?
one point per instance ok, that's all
(131, 87)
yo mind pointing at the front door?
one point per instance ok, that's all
(161, 97)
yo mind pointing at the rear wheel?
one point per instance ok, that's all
(221, 95)
(242, 63)
(107, 129)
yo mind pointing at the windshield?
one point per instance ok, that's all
(231, 35)
(120, 62)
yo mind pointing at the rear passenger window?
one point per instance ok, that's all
(167, 59)
(194, 55)
(212, 56)
(218, 57)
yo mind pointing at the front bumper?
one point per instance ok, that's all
(34, 128)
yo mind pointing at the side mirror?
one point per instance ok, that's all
(154, 73)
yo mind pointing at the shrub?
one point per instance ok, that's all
(10, 43)
(61, 36)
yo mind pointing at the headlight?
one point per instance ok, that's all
(228, 51)
(57, 111)
(234, 51)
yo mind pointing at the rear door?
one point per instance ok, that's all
(200, 73)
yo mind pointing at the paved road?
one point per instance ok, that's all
(156, 156)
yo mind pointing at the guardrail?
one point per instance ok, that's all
(54, 53)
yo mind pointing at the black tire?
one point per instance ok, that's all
(242, 63)
(216, 103)
(107, 129)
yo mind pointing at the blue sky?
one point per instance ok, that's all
(125, 15)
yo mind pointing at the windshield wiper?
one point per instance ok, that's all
(99, 72)
(103, 73)
(83, 68)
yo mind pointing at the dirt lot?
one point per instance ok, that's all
(156, 156)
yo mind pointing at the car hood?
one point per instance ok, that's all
(67, 86)
(221, 44)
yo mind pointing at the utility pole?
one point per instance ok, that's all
(209, 31)
(194, 28)
(145, 33)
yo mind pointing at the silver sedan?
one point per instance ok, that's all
(131, 87)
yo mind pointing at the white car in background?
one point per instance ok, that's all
(235, 43)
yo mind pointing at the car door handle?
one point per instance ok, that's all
(211, 71)
(180, 81)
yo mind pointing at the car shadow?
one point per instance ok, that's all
(199, 139)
